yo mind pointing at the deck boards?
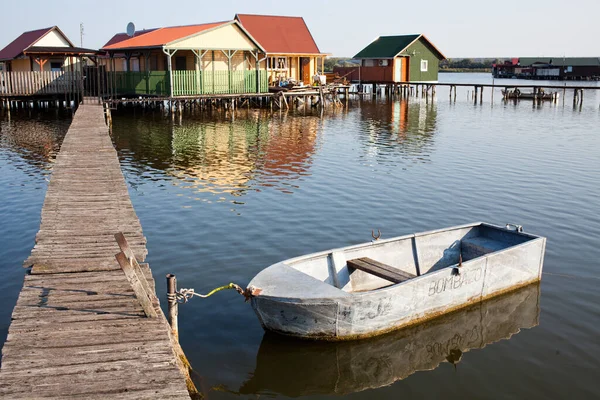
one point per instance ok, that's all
(77, 330)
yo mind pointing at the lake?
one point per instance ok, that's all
(221, 198)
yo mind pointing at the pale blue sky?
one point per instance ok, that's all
(459, 28)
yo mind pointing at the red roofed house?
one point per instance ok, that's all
(46, 49)
(43, 61)
(290, 47)
(212, 58)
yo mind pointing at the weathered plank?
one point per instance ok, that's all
(78, 328)
(380, 270)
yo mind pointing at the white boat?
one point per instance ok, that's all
(376, 287)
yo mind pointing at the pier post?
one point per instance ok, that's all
(173, 306)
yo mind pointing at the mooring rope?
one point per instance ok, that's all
(184, 295)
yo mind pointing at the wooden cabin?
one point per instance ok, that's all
(212, 58)
(394, 59)
(42, 62)
(290, 47)
(47, 49)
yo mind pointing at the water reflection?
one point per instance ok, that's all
(258, 150)
(297, 368)
(238, 156)
(32, 140)
(223, 157)
(404, 126)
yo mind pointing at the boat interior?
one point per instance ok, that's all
(382, 263)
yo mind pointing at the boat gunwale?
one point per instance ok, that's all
(344, 294)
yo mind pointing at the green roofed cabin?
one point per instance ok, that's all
(394, 59)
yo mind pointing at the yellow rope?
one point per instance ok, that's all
(224, 287)
(183, 295)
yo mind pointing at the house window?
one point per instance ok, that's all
(135, 64)
(369, 63)
(383, 63)
(277, 63)
(424, 65)
(180, 63)
(56, 66)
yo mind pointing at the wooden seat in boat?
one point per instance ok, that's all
(380, 270)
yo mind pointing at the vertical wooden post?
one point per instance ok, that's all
(173, 305)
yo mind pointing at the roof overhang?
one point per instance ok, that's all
(169, 45)
(63, 51)
(298, 54)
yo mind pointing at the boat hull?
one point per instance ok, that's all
(373, 312)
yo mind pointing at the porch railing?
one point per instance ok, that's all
(29, 83)
(188, 83)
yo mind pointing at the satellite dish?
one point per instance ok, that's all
(130, 29)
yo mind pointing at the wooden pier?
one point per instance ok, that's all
(78, 330)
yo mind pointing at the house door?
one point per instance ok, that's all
(401, 72)
(180, 64)
(404, 74)
(305, 70)
(398, 70)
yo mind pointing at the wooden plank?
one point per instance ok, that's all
(137, 285)
(380, 270)
(129, 253)
(79, 329)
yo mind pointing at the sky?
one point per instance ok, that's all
(459, 28)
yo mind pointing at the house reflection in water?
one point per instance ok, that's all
(403, 126)
(234, 157)
(35, 141)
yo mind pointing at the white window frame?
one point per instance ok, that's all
(277, 63)
(424, 65)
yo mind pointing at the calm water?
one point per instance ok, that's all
(221, 198)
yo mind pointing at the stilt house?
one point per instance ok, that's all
(393, 59)
(212, 58)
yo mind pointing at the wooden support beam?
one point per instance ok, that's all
(136, 285)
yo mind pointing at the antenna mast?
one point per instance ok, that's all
(81, 33)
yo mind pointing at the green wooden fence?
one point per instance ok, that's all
(142, 83)
(190, 83)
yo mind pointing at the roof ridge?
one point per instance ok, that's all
(408, 34)
(190, 25)
(40, 29)
(271, 15)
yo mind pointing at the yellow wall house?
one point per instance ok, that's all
(213, 58)
(291, 50)
(46, 49)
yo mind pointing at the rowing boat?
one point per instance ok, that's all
(383, 285)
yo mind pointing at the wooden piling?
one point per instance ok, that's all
(173, 305)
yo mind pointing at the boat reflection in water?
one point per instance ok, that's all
(297, 368)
